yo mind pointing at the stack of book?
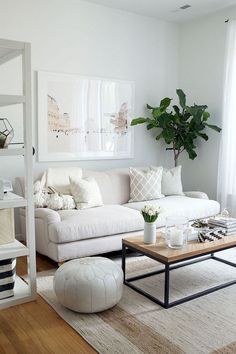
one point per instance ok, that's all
(228, 224)
(211, 235)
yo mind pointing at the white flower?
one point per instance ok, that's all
(37, 187)
(40, 199)
(55, 202)
(68, 202)
(150, 210)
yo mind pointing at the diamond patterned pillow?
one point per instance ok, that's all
(145, 185)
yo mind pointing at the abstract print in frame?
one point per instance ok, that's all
(83, 118)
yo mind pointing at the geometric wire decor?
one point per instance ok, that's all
(6, 133)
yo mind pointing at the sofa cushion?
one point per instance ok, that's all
(107, 220)
(58, 178)
(95, 222)
(114, 184)
(192, 208)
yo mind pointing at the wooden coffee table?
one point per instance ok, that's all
(191, 253)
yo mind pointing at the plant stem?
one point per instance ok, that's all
(176, 161)
(176, 155)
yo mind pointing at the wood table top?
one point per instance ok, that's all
(160, 251)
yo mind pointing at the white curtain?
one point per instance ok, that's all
(227, 160)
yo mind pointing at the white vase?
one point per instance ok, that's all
(149, 232)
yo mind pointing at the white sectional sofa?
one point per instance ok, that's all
(67, 234)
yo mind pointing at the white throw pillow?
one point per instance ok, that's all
(171, 181)
(86, 192)
(145, 184)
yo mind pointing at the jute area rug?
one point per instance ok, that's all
(137, 325)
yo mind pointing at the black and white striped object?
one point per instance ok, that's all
(211, 235)
(7, 277)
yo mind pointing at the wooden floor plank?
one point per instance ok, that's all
(35, 327)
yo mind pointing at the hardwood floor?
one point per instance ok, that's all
(35, 327)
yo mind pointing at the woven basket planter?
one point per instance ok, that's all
(7, 277)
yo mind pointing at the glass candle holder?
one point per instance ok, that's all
(176, 231)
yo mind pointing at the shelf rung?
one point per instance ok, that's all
(9, 55)
(13, 250)
(8, 43)
(12, 200)
(22, 294)
(12, 152)
(7, 100)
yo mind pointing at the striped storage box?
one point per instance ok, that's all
(7, 277)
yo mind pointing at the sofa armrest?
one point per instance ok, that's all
(195, 194)
(49, 216)
(45, 219)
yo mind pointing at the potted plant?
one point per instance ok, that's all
(179, 126)
(150, 214)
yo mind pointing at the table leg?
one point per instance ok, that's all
(123, 259)
(167, 286)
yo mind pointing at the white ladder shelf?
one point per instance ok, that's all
(23, 292)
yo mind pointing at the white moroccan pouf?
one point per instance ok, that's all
(89, 284)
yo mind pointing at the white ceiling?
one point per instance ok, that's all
(168, 9)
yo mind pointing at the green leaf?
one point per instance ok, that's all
(156, 112)
(176, 109)
(196, 112)
(203, 106)
(150, 107)
(186, 116)
(214, 127)
(179, 127)
(168, 135)
(150, 126)
(164, 104)
(159, 136)
(182, 97)
(206, 115)
(139, 120)
(203, 135)
(191, 153)
(150, 120)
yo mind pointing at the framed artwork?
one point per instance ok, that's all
(83, 118)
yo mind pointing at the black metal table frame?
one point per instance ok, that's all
(171, 266)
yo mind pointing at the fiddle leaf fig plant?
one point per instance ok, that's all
(179, 125)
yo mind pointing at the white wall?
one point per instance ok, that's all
(79, 37)
(202, 49)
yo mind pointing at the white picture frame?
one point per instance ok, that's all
(84, 118)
